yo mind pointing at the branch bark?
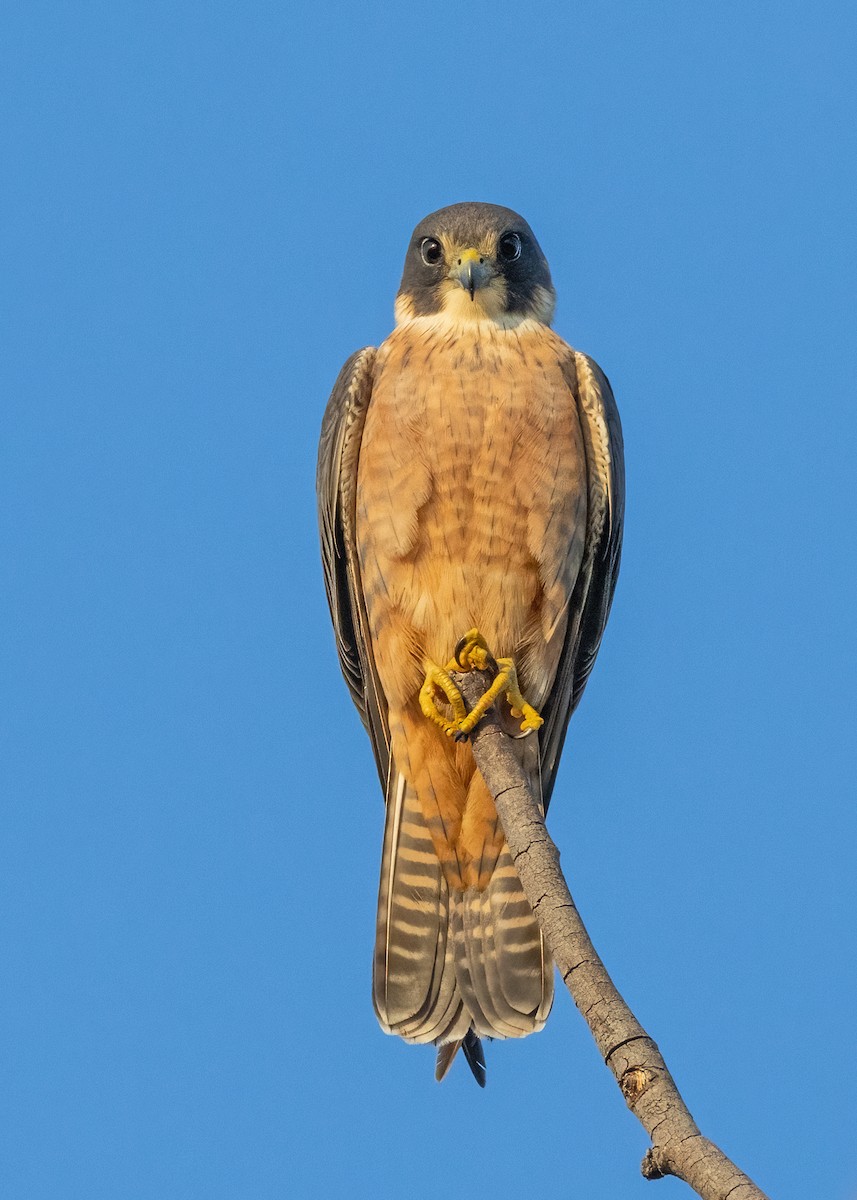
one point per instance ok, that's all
(678, 1148)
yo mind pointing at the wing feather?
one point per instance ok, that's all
(336, 486)
(596, 580)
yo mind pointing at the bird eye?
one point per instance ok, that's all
(509, 247)
(431, 251)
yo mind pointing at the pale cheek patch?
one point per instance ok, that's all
(544, 303)
(404, 309)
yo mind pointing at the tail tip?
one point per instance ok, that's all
(473, 1053)
(475, 1056)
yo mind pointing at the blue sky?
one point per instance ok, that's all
(206, 208)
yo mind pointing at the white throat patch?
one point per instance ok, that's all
(486, 308)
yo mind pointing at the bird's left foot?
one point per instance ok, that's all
(473, 654)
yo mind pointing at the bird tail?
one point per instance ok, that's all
(451, 964)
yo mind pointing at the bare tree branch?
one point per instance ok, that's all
(678, 1148)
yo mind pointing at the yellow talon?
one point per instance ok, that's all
(472, 654)
(518, 704)
(438, 680)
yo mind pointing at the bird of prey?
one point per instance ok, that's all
(471, 493)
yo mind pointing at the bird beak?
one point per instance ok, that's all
(471, 271)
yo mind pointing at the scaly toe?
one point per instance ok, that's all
(517, 704)
(472, 654)
(532, 719)
(470, 636)
(437, 682)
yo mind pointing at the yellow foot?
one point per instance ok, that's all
(472, 654)
(438, 681)
(519, 706)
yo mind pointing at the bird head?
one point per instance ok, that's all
(475, 262)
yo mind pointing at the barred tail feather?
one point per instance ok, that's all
(501, 964)
(453, 965)
(524, 966)
(414, 979)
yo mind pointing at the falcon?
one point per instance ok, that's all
(471, 494)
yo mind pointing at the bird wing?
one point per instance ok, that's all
(596, 579)
(336, 486)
